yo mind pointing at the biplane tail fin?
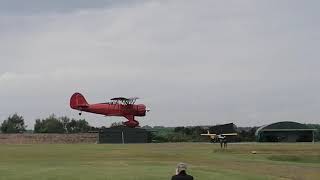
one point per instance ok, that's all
(77, 101)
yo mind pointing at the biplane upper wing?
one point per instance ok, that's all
(126, 101)
(119, 99)
(133, 98)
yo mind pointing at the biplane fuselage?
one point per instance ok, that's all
(115, 109)
(118, 107)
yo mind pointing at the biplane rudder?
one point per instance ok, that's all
(77, 101)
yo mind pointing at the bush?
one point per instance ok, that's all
(13, 124)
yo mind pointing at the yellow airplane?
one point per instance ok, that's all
(216, 137)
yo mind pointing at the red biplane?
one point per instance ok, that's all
(118, 106)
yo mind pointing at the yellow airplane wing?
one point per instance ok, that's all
(225, 134)
(212, 136)
(230, 134)
(208, 134)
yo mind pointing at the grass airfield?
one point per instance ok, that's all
(157, 161)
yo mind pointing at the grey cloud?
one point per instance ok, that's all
(14, 7)
(249, 62)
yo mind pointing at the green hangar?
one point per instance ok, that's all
(285, 131)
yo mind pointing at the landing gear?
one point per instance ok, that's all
(132, 123)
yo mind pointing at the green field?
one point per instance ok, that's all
(157, 161)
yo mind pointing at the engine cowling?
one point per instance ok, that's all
(141, 110)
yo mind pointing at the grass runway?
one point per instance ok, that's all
(157, 161)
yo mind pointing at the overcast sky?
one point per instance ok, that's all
(191, 62)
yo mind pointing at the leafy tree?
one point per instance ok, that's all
(66, 123)
(79, 126)
(246, 134)
(38, 126)
(116, 124)
(146, 127)
(178, 129)
(188, 134)
(49, 125)
(63, 124)
(178, 137)
(14, 124)
(195, 134)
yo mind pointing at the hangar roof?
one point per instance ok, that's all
(284, 126)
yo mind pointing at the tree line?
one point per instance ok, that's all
(54, 124)
(51, 124)
(192, 134)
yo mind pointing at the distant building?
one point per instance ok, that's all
(223, 128)
(123, 135)
(285, 131)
